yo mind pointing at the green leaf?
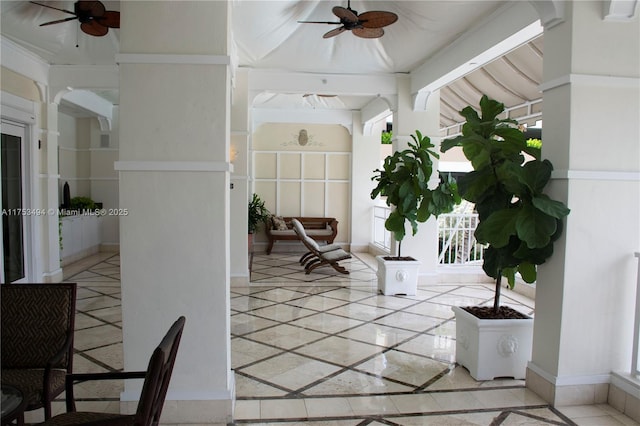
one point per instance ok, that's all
(471, 116)
(551, 207)
(491, 263)
(512, 136)
(490, 108)
(475, 185)
(527, 272)
(478, 151)
(447, 144)
(423, 210)
(510, 274)
(537, 256)
(498, 228)
(395, 224)
(536, 174)
(535, 227)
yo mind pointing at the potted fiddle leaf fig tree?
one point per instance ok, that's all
(258, 214)
(518, 222)
(404, 181)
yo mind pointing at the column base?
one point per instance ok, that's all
(192, 408)
(624, 394)
(562, 391)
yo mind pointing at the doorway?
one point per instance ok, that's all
(14, 188)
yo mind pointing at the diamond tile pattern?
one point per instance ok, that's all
(326, 349)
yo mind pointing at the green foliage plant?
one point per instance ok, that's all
(258, 213)
(82, 203)
(404, 180)
(517, 220)
(386, 138)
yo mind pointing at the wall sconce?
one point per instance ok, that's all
(233, 153)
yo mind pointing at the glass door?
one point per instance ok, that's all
(12, 171)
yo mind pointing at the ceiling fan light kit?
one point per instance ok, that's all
(94, 19)
(367, 25)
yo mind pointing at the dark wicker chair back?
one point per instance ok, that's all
(37, 325)
(156, 382)
(154, 389)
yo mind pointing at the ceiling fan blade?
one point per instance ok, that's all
(94, 28)
(319, 22)
(110, 19)
(345, 14)
(334, 32)
(91, 8)
(377, 19)
(368, 32)
(51, 7)
(58, 21)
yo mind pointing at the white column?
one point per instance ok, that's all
(424, 246)
(365, 159)
(174, 176)
(585, 292)
(51, 271)
(240, 139)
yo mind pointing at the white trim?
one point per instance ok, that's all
(596, 175)
(90, 178)
(15, 108)
(627, 383)
(620, 10)
(53, 274)
(591, 80)
(24, 62)
(48, 132)
(151, 58)
(73, 149)
(173, 166)
(570, 380)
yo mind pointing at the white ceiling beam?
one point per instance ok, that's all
(20, 60)
(92, 103)
(331, 84)
(506, 29)
(272, 115)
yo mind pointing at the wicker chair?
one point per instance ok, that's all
(37, 327)
(154, 389)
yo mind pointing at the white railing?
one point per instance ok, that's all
(455, 234)
(381, 237)
(457, 245)
(635, 368)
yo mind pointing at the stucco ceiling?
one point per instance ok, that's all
(267, 36)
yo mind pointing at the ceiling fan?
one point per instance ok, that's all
(366, 25)
(94, 19)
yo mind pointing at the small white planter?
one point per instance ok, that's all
(397, 276)
(493, 348)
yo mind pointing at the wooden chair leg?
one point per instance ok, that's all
(305, 257)
(339, 268)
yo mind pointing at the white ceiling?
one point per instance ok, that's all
(267, 36)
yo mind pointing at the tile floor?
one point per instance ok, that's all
(325, 349)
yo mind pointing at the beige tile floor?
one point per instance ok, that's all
(325, 349)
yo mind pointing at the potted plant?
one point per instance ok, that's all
(404, 181)
(258, 214)
(518, 222)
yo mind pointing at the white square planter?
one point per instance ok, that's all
(491, 348)
(397, 276)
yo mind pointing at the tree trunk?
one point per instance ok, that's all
(496, 298)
